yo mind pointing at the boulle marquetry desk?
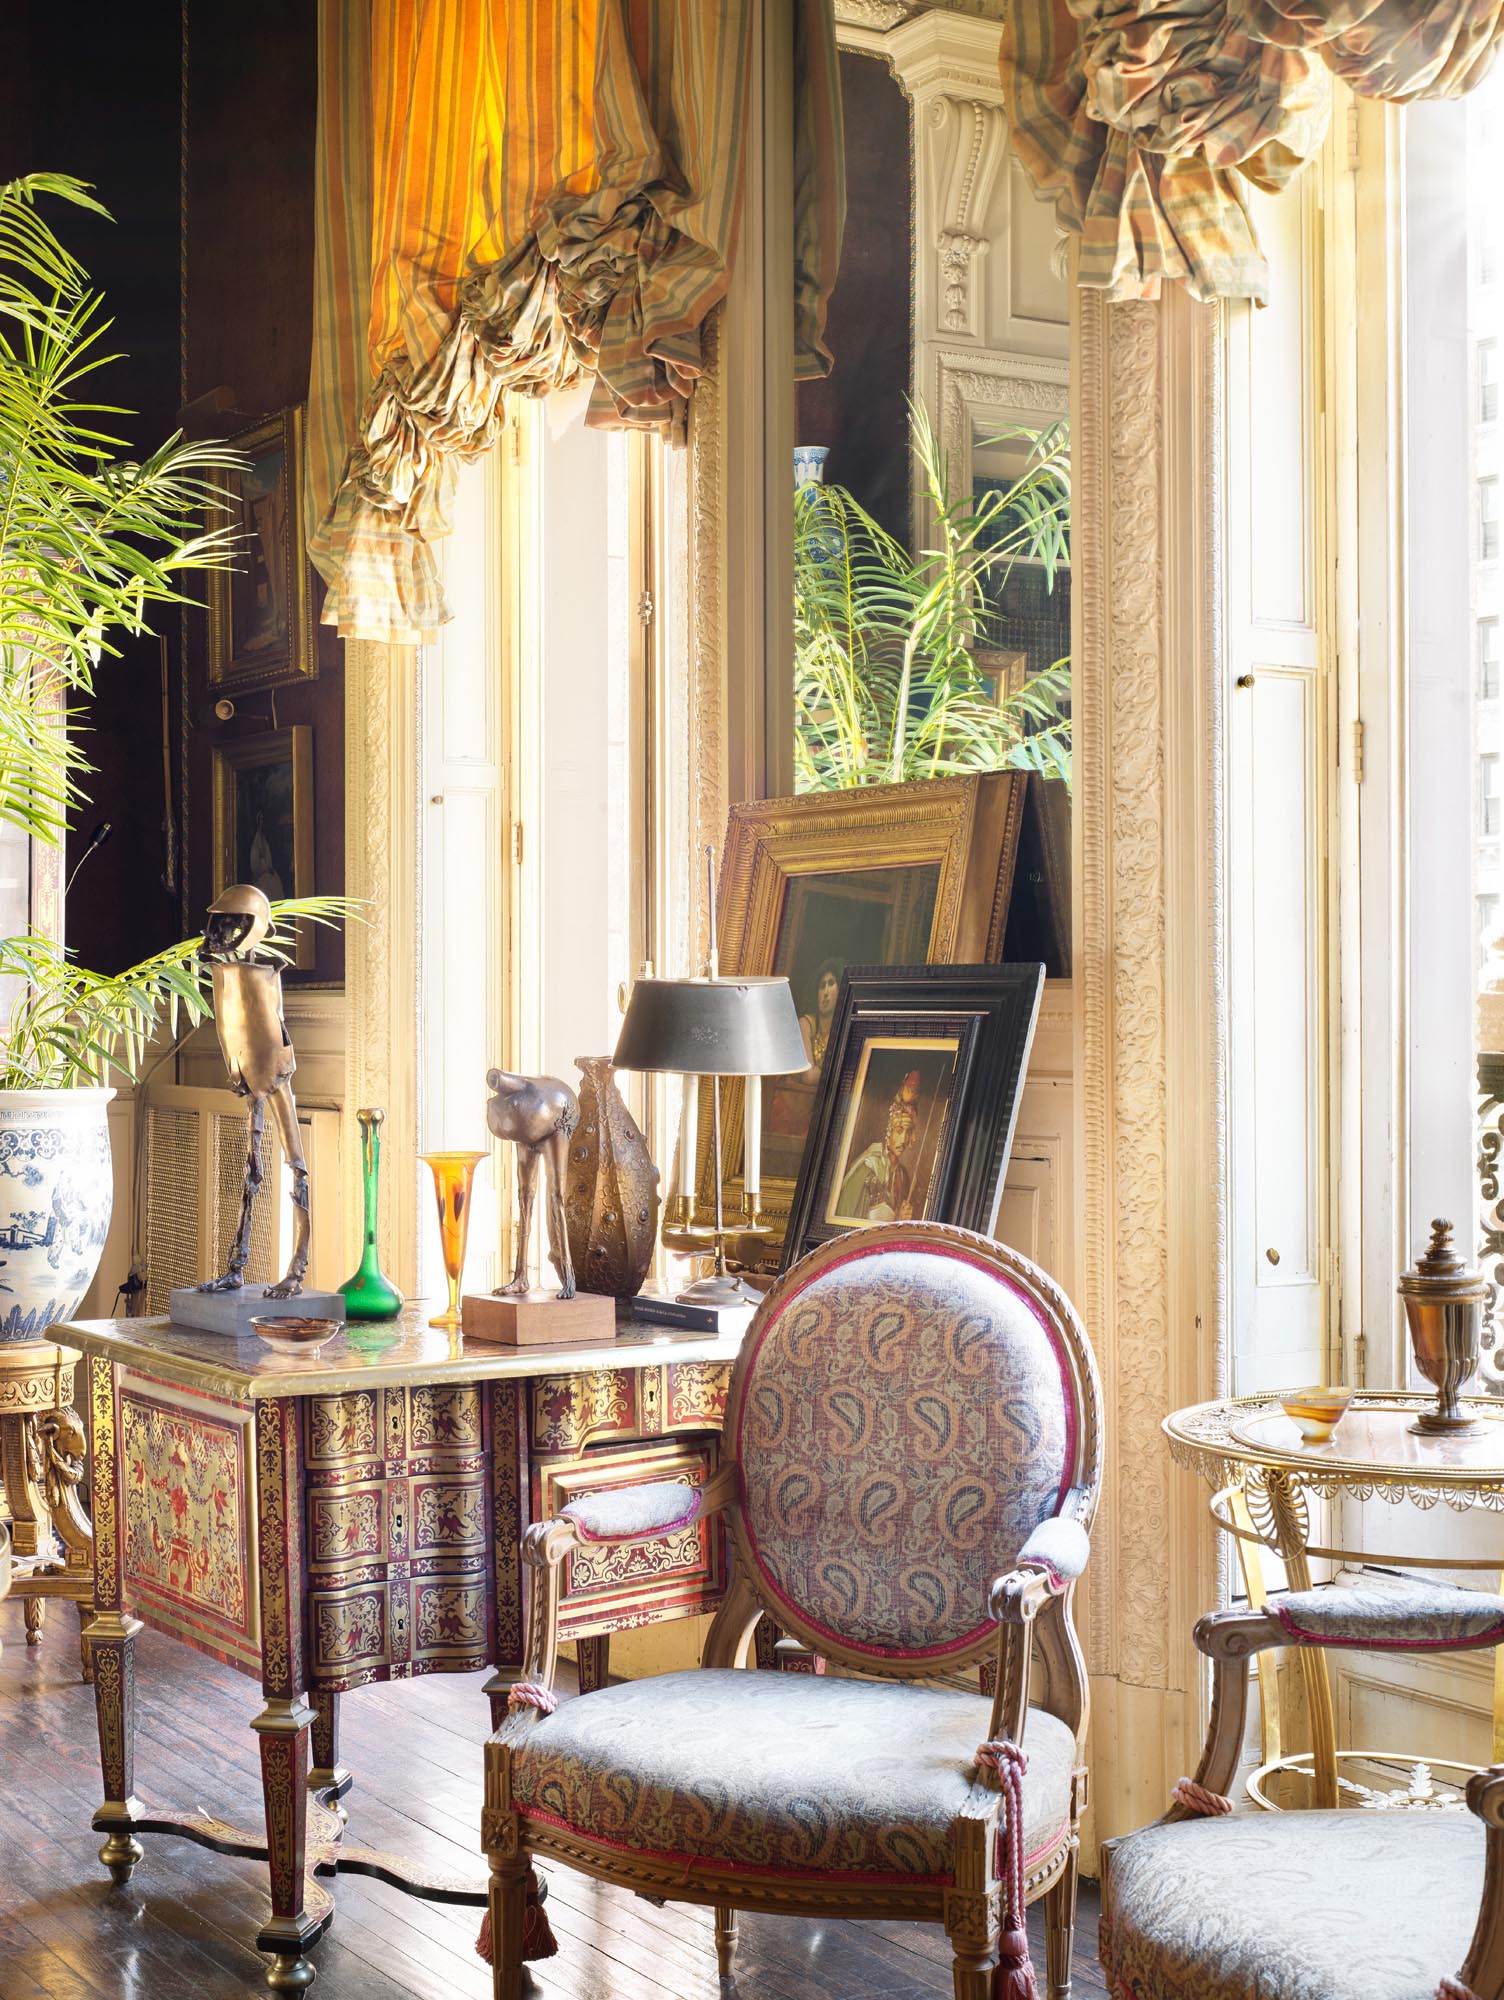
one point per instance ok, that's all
(325, 1521)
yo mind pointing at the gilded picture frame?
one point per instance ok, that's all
(263, 819)
(918, 1100)
(261, 609)
(883, 874)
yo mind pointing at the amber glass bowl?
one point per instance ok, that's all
(1315, 1413)
(297, 1336)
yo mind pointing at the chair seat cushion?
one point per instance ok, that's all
(781, 1773)
(1292, 1906)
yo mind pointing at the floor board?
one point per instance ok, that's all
(180, 1929)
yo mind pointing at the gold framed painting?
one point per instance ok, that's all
(261, 610)
(881, 875)
(263, 819)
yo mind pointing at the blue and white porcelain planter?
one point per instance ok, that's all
(56, 1190)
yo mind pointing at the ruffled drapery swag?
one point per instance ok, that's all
(1149, 120)
(514, 194)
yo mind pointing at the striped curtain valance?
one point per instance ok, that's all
(513, 194)
(1149, 120)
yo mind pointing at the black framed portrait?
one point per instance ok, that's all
(917, 1100)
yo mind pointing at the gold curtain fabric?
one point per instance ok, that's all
(512, 193)
(1148, 121)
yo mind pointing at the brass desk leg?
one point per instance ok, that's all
(283, 1728)
(111, 1637)
(284, 1724)
(328, 1775)
(1289, 1541)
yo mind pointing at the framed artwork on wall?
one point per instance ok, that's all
(882, 875)
(917, 1100)
(261, 611)
(263, 818)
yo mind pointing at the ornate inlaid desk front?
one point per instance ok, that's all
(328, 1520)
(1262, 1476)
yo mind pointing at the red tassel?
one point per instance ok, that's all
(1015, 1970)
(538, 1940)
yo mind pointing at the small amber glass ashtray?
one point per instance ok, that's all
(1315, 1413)
(297, 1336)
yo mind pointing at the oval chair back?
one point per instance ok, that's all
(910, 1402)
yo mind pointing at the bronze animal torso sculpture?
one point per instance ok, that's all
(537, 1114)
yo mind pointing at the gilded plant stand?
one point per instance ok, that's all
(326, 1521)
(42, 1468)
(1263, 1477)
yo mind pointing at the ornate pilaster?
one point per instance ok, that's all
(382, 948)
(1149, 979)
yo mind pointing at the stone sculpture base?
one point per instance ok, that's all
(540, 1319)
(232, 1312)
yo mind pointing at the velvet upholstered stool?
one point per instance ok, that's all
(910, 1466)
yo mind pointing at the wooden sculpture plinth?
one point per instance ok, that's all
(42, 1466)
(539, 1319)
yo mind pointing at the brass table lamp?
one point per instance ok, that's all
(712, 1028)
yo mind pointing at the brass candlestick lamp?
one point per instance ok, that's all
(1444, 1308)
(706, 1029)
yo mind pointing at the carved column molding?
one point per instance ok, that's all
(382, 962)
(1150, 1034)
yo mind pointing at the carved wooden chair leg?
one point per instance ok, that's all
(1060, 1930)
(725, 1938)
(508, 1912)
(34, 1610)
(85, 1651)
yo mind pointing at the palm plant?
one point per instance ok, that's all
(90, 544)
(887, 686)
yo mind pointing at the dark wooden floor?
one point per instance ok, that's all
(179, 1930)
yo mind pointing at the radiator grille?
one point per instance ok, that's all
(171, 1204)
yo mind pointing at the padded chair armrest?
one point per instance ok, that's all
(643, 1513)
(1060, 1546)
(1481, 1973)
(1428, 1618)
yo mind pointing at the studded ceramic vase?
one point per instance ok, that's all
(56, 1191)
(611, 1189)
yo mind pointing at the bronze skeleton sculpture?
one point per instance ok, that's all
(538, 1114)
(258, 1053)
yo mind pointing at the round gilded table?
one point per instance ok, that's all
(1263, 1477)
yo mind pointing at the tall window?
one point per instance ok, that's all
(1488, 518)
(1488, 381)
(1488, 796)
(1488, 659)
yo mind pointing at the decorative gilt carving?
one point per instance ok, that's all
(974, 136)
(381, 951)
(1151, 1038)
(708, 615)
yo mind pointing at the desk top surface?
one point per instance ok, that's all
(366, 1355)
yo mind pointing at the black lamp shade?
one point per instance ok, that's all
(712, 1027)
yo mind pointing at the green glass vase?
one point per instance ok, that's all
(370, 1294)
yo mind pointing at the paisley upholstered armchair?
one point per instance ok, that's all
(1206, 1904)
(909, 1471)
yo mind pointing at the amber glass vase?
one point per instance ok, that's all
(453, 1174)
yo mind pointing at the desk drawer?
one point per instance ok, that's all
(608, 1589)
(610, 1405)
